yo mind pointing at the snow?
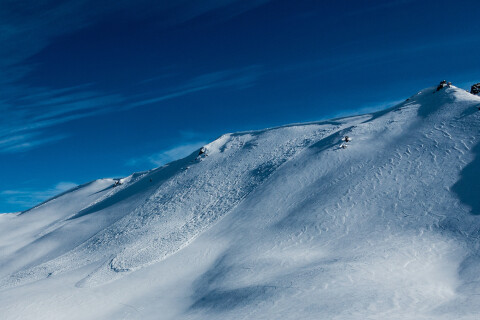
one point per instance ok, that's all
(277, 223)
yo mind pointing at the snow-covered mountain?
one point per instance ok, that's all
(281, 223)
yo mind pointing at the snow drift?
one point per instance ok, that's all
(277, 223)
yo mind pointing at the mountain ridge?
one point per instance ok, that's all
(290, 204)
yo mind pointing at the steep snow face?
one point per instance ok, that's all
(278, 223)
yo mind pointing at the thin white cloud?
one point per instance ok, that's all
(168, 96)
(26, 117)
(163, 157)
(27, 27)
(28, 198)
(365, 109)
(24, 145)
(236, 78)
(175, 153)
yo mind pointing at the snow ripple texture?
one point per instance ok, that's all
(277, 223)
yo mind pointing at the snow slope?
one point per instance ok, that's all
(270, 224)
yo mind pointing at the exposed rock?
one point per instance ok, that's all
(442, 85)
(475, 89)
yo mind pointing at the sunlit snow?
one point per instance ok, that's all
(280, 223)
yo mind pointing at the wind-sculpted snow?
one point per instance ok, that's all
(278, 223)
(188, 200)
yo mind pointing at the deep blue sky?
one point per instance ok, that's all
(92, 89)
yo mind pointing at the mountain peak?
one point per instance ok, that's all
(291, 216)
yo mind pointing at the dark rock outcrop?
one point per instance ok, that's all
(475, 88)
(442, 85)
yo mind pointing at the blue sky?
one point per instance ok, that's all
(92, 89)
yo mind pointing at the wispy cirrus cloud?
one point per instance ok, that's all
(368, 108)
(26, 116)
(27, 198)
(20, 143)
(29, 113)
(26, 28)
(239, 78)
(168, 155)
(188, 143)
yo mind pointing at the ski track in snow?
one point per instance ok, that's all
(277, 223)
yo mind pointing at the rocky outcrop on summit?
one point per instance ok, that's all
(475, 89)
